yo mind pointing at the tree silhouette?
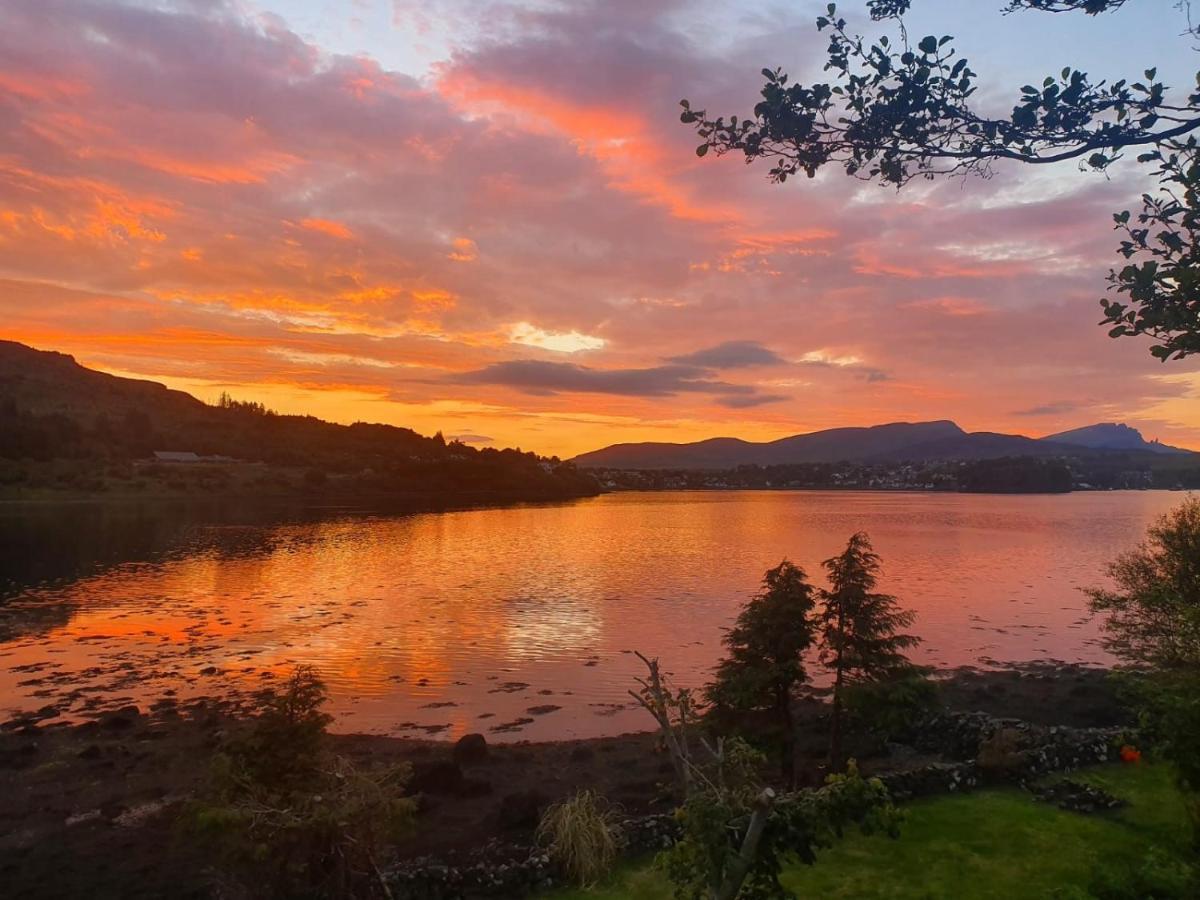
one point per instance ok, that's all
(895, 111)
(860, 639)
(766, 653)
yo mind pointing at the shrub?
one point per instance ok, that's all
(893, 706)
(287, 741)
(581, 836)
(737, 839)
(1152, 621)
(287, 818)
(1158, 876)
(734, 833)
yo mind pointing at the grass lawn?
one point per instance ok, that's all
(993, 843)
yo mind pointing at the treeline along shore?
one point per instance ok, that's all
(1004, 475)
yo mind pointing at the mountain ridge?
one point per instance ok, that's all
(1111, 436)
(939, 439)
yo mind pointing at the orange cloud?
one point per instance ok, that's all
(329, 227)
(616, 137)
(949, 306)
(250, 169)
(86, 209)
(40, 87)
(433, 299)
(869, 261)
(464, 250)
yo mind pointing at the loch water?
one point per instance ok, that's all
(519, 621)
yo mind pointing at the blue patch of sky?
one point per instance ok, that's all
(1016, 49)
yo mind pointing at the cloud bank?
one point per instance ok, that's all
(520, 241)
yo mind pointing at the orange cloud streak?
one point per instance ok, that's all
(617, 138)
(329, 227)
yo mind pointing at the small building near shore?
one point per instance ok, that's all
(176, 456)
(186, 457)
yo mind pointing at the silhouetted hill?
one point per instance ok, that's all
(833, 445)
(896, 442)
(44, 382)
(52, 408)
(980, 445)
(715, 453)
(858, 443)
(1110, 436)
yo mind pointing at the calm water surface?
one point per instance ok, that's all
(518, 619)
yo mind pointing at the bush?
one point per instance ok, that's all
(1159, 876)
(288, 819)
(287, 742)
(1152, 621)
(894, 706)
(737, 836)
(581, 836)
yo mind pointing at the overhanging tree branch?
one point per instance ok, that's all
(894, 112)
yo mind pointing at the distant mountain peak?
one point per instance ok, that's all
(940, 439)
(1110, 436)
(835, 444)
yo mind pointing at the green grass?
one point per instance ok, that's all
(990, 844)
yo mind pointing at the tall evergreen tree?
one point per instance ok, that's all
(859, 630)
(766, 653)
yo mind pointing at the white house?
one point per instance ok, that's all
(176, 456)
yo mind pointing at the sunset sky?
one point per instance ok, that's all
(484, 218)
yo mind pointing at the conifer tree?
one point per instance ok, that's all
(766, 653)
(859, 630)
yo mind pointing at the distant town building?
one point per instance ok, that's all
(188, 456)
(176, 456)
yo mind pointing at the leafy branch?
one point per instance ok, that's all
(894, 111)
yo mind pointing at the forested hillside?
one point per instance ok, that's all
(86, 427)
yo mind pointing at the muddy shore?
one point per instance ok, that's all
(89, 810)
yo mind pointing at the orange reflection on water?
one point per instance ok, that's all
(452, 622)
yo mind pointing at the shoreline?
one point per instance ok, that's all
(105, 794)
(235, 701)
(420, 502)
(858, 489)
